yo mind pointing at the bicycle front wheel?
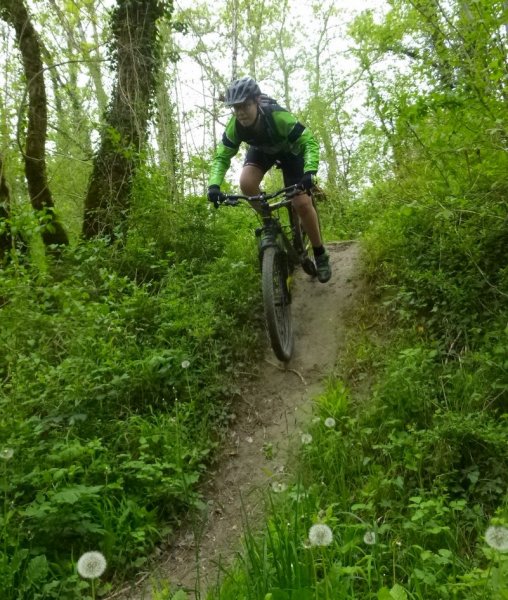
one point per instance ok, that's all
(277, 302)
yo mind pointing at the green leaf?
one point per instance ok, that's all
(396, 593)
(37, 569)
(72, 494)
(277, 594)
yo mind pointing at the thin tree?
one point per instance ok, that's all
(15, 14)
(234, 41)
(78, 44)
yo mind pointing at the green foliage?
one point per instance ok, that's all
(117, 364)
(407, 505)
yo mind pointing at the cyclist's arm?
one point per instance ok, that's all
(226, 149)
(300, 138)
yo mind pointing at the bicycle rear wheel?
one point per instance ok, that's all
(277, 302)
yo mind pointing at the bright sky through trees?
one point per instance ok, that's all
(308, 24)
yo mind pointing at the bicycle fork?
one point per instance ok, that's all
(271, 236)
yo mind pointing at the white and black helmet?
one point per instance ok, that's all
(241, 90)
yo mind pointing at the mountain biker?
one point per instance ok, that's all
(273, 135)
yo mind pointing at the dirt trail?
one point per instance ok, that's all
(270, 412)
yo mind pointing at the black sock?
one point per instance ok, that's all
(318, 250)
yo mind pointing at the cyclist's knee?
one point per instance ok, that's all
(303, 204)
(250, 179)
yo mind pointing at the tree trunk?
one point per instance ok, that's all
(8, 241)
(5, 205)
(234, 39)
(134, 25)
(14, 12)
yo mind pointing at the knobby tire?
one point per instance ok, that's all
(277, 302)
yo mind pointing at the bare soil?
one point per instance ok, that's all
(270, 415)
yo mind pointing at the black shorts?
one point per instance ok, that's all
(291, 165)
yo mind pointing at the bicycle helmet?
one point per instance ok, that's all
(241, 90)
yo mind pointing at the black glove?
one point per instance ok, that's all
(215, 195)
(307, 181)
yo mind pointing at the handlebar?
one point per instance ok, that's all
(263, 197)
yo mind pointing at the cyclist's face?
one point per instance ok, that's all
(246, 112)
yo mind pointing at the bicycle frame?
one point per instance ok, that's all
(279, 253)
(272, 232)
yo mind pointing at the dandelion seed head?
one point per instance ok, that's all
(91, 565)
(306, 438)
(496, 537)
(185, 364)
(320, 535)
(6, 453)
(279, 487)
(330, 422)
(370, 538)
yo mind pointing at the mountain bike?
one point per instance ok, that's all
(282, 247)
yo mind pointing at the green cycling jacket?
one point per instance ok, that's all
(280, 133)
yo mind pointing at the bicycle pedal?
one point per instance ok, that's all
(309, 266)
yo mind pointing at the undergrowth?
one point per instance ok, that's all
(117, 365)
(405, 464)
